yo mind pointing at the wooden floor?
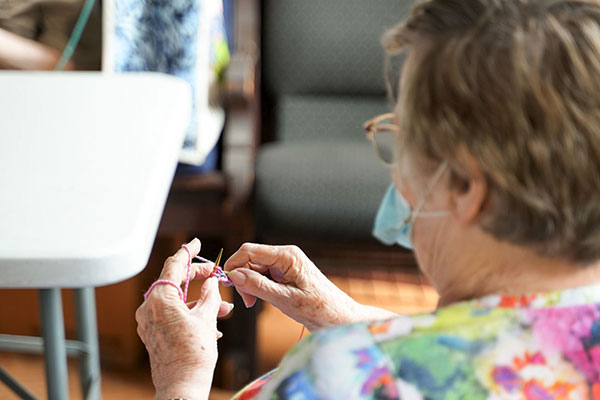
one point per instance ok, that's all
(383, 291)
(116, 385)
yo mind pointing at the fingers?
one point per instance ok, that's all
(202, 270)
(210, 306)
(253, 253)
(209, 303)
(251, 284)
(175, 267)
(283, 262)
(248, 299)
(224, 309)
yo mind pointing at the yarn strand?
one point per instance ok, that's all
(301, 333)
(163, 282)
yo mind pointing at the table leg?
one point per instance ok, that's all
(55, 353)
(87, 332)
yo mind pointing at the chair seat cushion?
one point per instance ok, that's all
(327, 190)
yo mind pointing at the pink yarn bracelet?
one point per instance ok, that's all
(164, 282)
(182, 293)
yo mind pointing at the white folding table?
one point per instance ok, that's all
(86, 162)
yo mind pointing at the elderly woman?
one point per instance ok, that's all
(496, 185)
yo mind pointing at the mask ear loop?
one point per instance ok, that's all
(417, 211)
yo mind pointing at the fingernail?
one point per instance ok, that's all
(230, 306)
(238, 278)
(245, 303)
(219, 335)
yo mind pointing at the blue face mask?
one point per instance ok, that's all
(392, 225)
(394, 220)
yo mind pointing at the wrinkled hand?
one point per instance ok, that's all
(294, 285)
(182, 340)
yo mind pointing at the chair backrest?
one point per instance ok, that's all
(316, 52)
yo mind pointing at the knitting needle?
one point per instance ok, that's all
(219, 258)
(207, 261)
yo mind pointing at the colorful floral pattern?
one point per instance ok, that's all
(538, 347)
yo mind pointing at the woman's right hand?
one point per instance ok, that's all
(285, 277)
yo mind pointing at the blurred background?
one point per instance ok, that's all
(274, 153)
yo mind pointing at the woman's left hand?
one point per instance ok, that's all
(182, 340)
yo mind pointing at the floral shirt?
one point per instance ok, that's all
(544, 346)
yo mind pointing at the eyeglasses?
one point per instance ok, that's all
(382, 133)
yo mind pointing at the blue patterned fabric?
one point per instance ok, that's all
(160, 36)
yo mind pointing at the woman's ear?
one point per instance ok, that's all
(470, 190)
